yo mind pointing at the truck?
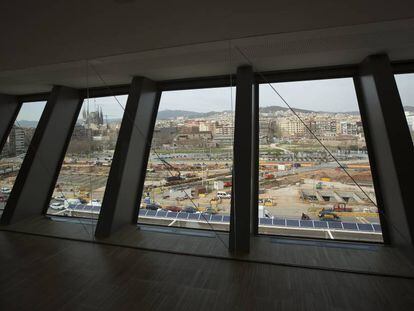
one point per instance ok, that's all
(341, 207)
(228, 184)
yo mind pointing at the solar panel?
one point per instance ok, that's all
(292, 223)
(365, 227)
(320, 224)
(182, 215)
(205, 217)
(217, 218)
(306, 223)
(194, 216)
(279, 222)
(350, 226)
(335, 225)
(265, 221)
(151, 213)
(161, 213)
(172, 215)
(377, 227)
(317, 224)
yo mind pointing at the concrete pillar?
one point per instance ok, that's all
(125, 184)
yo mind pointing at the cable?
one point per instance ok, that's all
(29, 145)
(320, 142)
(162, 160)
(309, 130)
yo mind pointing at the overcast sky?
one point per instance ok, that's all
(334, 95)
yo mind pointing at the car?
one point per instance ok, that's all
(223, 195)
(153, 206)
(6, 190)
(57, 206)
(189, 209)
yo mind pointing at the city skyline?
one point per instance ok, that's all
(315, 95)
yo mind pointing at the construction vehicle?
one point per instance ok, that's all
(341, 207)
(210, 210)
(328, 215)
(268, 202)
(215, 201)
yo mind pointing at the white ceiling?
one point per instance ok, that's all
(47, 42)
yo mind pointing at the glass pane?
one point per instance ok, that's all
(405, 83)
(189, 173)
(82, 179)
(16, 146)
(303, 191)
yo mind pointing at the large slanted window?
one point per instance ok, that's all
(303, 190)
(16, 146)
(405, 83)
(82, 179)
(189, 174)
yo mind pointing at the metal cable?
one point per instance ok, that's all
(380, 211)
(166, 164)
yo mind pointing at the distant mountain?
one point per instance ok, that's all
(409, 108)
(173, 114)
(27, 123)
(279, 108)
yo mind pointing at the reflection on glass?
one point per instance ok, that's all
(189, 173)
(302, 189)
(405, 84)
(16, 146)
(82, 179)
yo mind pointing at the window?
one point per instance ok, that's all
(404, 84)
(303, 191)
(189, 174)
(82, 179)
(16, 146)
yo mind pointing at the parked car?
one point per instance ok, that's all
(189, 209)
(223, 195)
(153, 206)
(57, 206)
(6, 190)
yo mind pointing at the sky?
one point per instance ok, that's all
(334, 95)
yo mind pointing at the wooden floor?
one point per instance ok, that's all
(43, 273)
(361, 258)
